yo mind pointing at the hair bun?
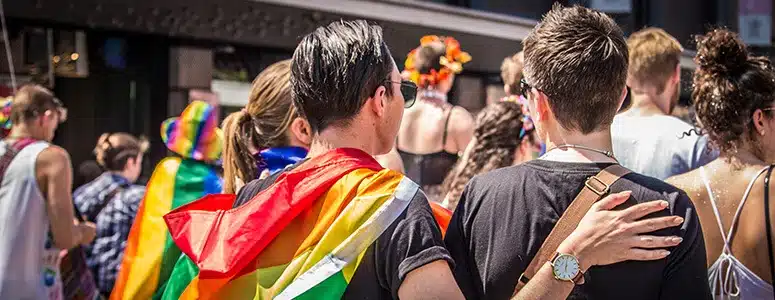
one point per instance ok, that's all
(721, 51)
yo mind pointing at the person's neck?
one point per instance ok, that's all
(645, 105)
(123, 174)
(746, 157)
(598, 140)
(333, 138)
(22, 132)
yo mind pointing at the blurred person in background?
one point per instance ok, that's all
(433, 132)
(504, 135)
(646, 137)
(733, 95)
(268, 134)
(189, 174)
(498, 142)
(36, 206)
(111, 201)
(86, 172)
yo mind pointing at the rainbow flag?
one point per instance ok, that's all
(150, 253)
(303, 238)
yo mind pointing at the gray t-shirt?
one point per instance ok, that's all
(656, 145)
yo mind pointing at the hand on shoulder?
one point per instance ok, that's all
(605, 236)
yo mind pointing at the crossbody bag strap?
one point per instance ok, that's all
(767, 219)
(595, 188)
(108, 198)
(11, 150)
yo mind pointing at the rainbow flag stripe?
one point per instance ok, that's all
(150, 253)
(195, 134)
(303, 238)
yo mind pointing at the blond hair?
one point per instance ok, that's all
(511, 71)
(654, 56)
(262, 124)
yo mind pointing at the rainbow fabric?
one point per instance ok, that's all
(195, 134)
(150, 253)
(303, 238)
(5, 115)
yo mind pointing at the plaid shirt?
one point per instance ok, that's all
(113, 223)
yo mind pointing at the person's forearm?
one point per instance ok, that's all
(544, 286)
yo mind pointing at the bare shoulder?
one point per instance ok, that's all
(460, 119)
(690, 182)
(53, 157)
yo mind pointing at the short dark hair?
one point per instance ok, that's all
(578, 58)
(336, 68)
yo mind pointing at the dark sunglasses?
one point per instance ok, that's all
(408, 91)
(524, 88)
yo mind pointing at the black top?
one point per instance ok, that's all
(412, 241)
(431, 168)
(504, 216)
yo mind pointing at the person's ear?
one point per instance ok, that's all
(301, 131)
(621, 98)
(378, 101)
(760, 123)
(541, 104)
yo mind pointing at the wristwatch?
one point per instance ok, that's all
(566, 267)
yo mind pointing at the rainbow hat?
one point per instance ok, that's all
(195, 134)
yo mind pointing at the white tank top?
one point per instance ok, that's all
(29, 263)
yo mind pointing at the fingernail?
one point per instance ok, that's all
(678, 220)
(665, 252)
(676, 239)
(663, 203)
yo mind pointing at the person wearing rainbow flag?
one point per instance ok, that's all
(150, 254)
(337, 225)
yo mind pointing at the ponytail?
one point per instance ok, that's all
(238, 160)
(113, 150)
(101, 149)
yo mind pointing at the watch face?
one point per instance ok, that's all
(566, 267)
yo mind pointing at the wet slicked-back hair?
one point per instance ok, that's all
(336, 68)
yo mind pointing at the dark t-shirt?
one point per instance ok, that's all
(412, 241)
(504, 216)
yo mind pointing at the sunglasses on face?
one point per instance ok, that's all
(408, 91)
(524, 88)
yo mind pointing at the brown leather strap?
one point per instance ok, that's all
(595, 188)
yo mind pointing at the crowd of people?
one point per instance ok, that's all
(345, 177)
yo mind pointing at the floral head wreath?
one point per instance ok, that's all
(451, 62)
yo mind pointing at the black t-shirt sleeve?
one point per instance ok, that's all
(411, 242)
(684, 276)
(457, 243)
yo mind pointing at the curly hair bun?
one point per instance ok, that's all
(721, 52)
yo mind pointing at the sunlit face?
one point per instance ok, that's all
(50, 121)
(675, 97)
(394, 113)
